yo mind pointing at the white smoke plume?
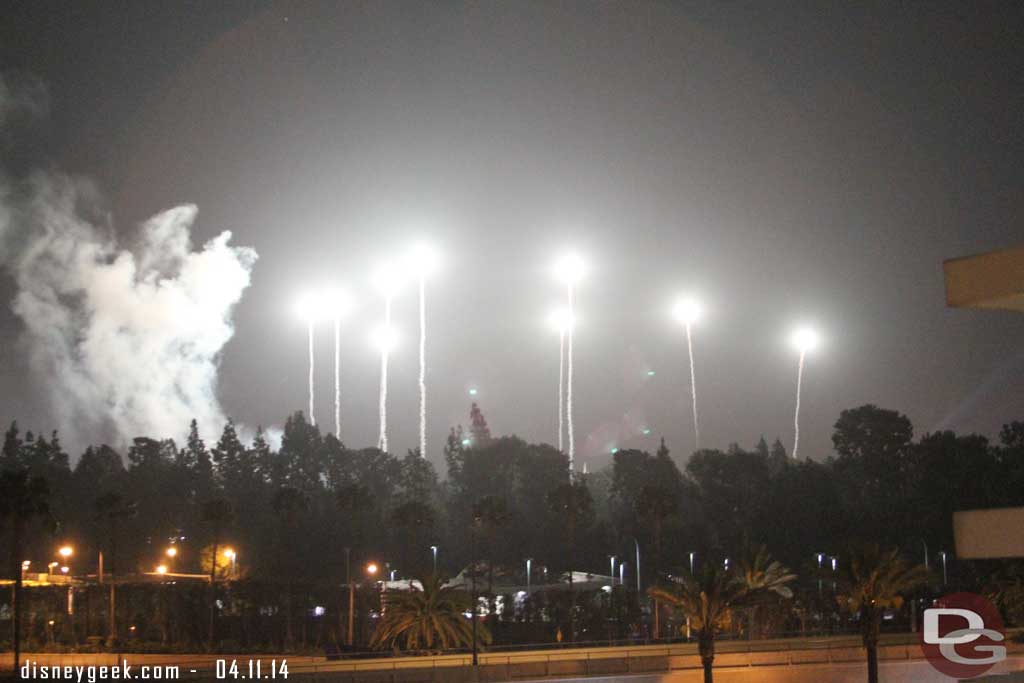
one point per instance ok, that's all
(127, 340)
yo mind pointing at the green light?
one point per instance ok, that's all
(472, 392)
(650, 373)
(465, 442)
(647, 431)
(614, 451)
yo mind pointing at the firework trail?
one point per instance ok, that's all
(382, 442)
(337, 377)
(561, 389)
(423, 368)
(693, 386)
(312, 417)
(796, 418)
(568, 392)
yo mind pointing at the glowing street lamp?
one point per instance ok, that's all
(231, 555)
(171, 552)
(161, 569)
(372, 569)
(687, 311)
(66, 551)
(433, 549)
(804, 339)
(65, 569)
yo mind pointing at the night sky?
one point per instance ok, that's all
(788, 162)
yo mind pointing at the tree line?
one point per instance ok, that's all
(308, 512)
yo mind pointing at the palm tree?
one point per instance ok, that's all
(22, 499)
(111, 508)
(872, 581)
(711, 599)
(217, 513)
(430, 618)
(573, 502)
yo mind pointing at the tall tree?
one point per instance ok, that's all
(218, 513)
(572, 503)
(111, 509)
(479, 432)
(23, 498)
(289, 504)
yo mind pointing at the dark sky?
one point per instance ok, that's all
(788, 161)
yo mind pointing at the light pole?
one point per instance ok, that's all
(945, 578)
(433, 549)
(231, 555)
(529, 566)
(611, 561)
(636, 544)
(691, 562)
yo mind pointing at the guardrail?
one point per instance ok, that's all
(506, 666)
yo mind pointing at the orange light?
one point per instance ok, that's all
(172, 551)
(162, 569)
(66, 551)
(371, 568)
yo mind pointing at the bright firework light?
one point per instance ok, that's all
(339, 304)
(569, 270)
(423, 260)
(562, 320)
(310, 309)
(687, 311)
(387, 280)
(804, 339)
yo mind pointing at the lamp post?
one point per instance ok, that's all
(636, 543)
(692, 554)
(529, 566)
(231, 555)
(433, 549)
(945, 578)
(611, 562)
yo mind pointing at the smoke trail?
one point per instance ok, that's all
(796, 419)
(423, 368)
(126, 338)
(127, 341)
(693, 386)
(312, 416)
(568, 393)
(337, 377)
(382, 441)
(561, 389)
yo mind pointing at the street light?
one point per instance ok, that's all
(231, 555)
(66, 551)
(611, 560)
(161, 569)
(433, 549)
(945, 580)
(65, 569)
(691, 561)
(372, 568)
(171, 552)
(529, 567)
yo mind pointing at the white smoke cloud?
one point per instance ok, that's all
(127, 339)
